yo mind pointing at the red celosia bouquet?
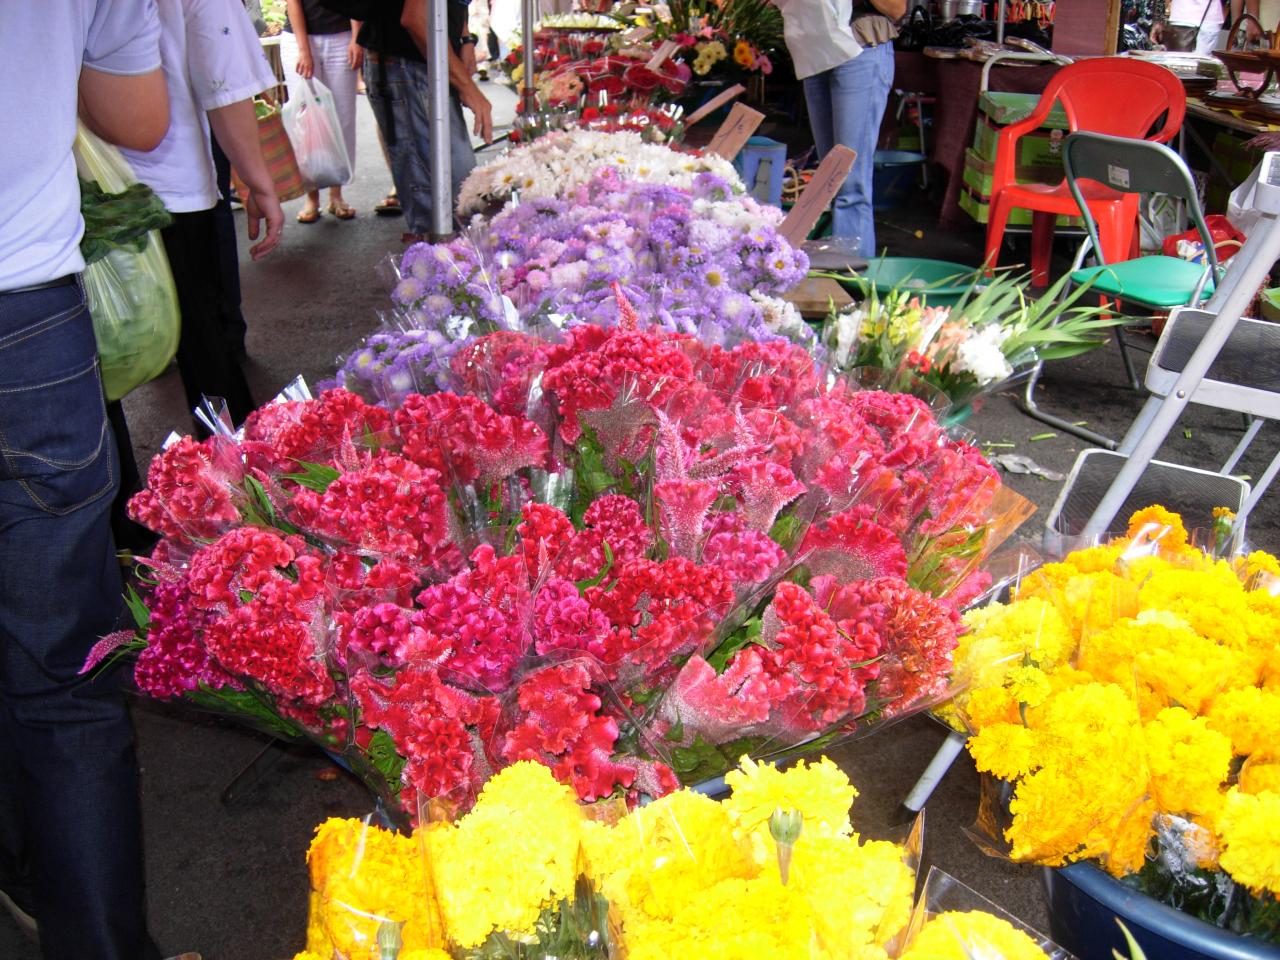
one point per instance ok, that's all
(628, 555)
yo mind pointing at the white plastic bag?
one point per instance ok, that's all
(311, 121)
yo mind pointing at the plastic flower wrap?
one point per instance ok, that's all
(554, 166)
(529, 874)
(1131, 690)
(625, 553)
(953, 922)
(987, 340)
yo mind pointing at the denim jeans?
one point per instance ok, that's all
(69, 813)
(846, 105)
(408, 141)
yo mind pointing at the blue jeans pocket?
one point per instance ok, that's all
(55, 441)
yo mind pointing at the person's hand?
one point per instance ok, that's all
(479, 104)
(355, 54)
(1157, 32)
(262, 205)
(306, 67)
(468, 55)
(1252, 32)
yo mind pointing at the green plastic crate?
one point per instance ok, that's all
(979, 207)
(978, 173)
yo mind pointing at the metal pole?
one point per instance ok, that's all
(1251, 264)
(438, 120)
(528, 94)
(999, 21)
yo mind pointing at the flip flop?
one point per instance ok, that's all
(389, 206)
(342, 210)
(308, 216)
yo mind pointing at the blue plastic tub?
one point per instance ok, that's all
(1084, 903)
(894, 178)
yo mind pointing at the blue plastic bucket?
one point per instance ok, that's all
(894, 178)
(1084, 903)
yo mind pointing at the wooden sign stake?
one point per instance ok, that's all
(826, 183)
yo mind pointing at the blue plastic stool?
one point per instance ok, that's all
(762, 150)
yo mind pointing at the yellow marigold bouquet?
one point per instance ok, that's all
(1131, 694)
(774, 871)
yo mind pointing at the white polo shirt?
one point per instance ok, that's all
(42, 47)
(818, 34)
(212, 58)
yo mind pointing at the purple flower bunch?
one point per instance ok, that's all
(689, 260)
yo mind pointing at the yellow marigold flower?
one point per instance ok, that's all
(1007, 750)
(663, 854)
(1258, 564)
(1189, 762)
(1155, 523)
(1259, 774)
(1125, 843)
(307, 955)
(987, 706)
(743, 55)
(871, 882)
(1098, 559)
(1029, 686)
(1250, 717)
(964, 935)
(431, 954)
(1211, 601)
(1250, 841)
(820, 791)
(360, 876)
(514, 854)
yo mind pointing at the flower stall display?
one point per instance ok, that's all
(556, 165)
(995, 333)
(728, 41)
(702, 260)
(627, 554)
(1130, 695)
(776, 870)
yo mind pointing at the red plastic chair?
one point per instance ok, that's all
(1112, 95)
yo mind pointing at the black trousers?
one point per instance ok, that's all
(206, 349)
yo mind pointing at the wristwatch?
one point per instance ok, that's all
(466, 38)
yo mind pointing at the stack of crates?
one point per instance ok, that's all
(1039, 157)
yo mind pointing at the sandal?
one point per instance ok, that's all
(389, 206)
(342, 210)
(310, 215)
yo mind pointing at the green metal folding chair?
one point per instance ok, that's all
(1153, 283)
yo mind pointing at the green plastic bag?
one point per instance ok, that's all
(127, 281)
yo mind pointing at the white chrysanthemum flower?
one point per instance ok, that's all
(981, 354)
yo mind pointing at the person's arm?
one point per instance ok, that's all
(414, 19)
(896, 9)
(236, 127)
(306, 67)
(355, 52)
(129, 111)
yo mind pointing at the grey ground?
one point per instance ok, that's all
(230, 880)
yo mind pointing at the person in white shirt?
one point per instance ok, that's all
(213, 66)
(1192, 26)
(70, 831)
(846, 66)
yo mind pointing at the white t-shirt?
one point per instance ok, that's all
(1190, 13)
(42, 47)
(818, 34)
(212, 58)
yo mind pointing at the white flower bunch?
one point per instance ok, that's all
(981, 353)
(555, 164)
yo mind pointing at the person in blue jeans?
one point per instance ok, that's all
(843, 54)
(70, 832)
(395, 73)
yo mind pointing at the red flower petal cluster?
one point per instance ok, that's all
(478, 616)
(388, 506)
(561, 725)
(466, 439)
(440, 730)
(278, 435)
(189, 493)
(175, 660)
